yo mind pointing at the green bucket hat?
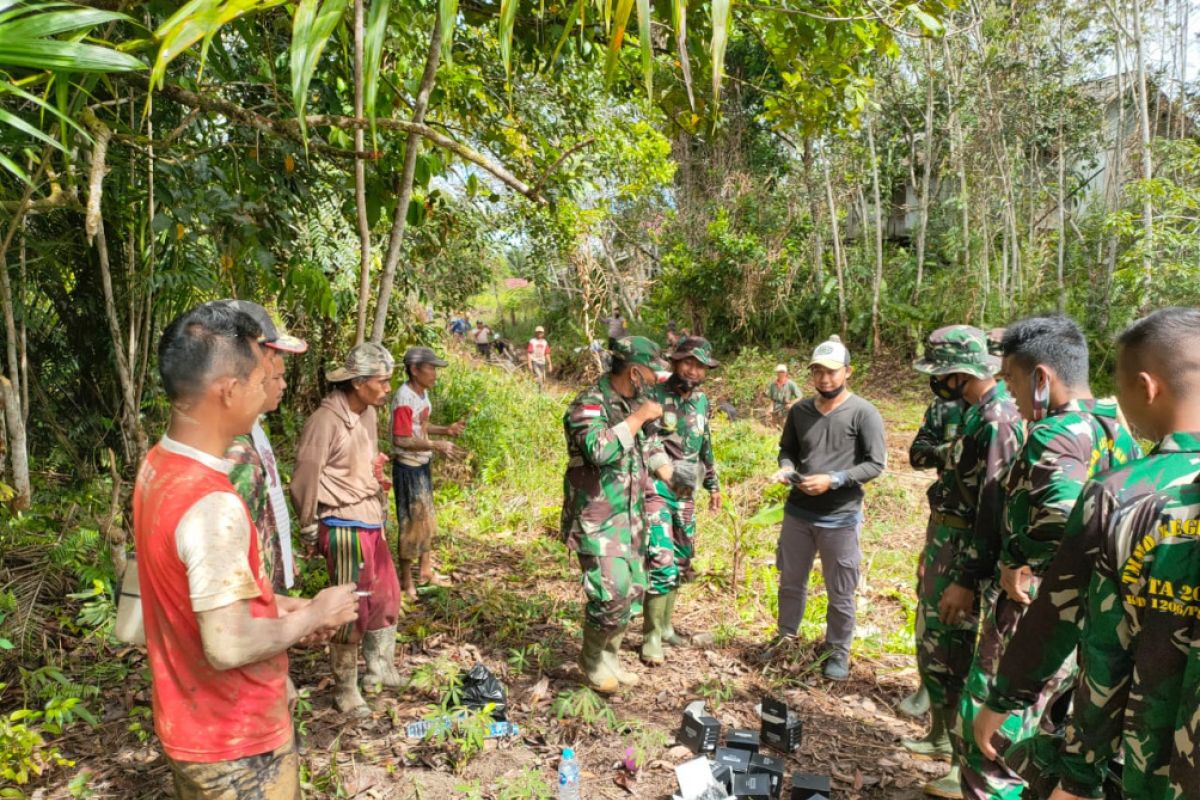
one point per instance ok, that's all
(696, 347)
(958, 348)
(639, 350)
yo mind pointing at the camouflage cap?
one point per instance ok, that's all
(366, 360)
(995, 337)
(958, 348)
(696, 347)
(639, 350)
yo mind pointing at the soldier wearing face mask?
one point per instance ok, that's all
(671, 507)
(611, 456)
(832, 444)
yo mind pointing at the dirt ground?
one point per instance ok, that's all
(851, 729)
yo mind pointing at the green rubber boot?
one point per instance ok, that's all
(936, 744)
(654, 610)
(612, 657)
(598, 676)
(916, 704)
(948, 787)
(669, 636)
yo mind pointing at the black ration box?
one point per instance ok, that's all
(741, 739)
(700, 735)
(770, 766)
(736, 760)
(752, 785)
(810, 787)
(723, 775)
(781, 730)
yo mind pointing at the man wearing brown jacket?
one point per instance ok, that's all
(341, 496)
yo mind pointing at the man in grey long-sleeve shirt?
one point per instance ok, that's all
(832, 444)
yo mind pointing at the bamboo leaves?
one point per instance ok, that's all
(312, 26)
(721, 11)
(27, 34)
(448, 15)
(374, 35)
(508, 16)
(195, 21)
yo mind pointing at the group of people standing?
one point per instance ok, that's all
(213, 534)
(1057, 625)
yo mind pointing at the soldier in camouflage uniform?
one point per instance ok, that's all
(929, 450)
(1070, 437)
(1123, 585)
(671, 508)
(961, 553)
(610, 459)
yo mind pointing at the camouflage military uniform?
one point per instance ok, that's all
(671, 510)
(1073, 443)
(966, 534)
(1126, 575)
(603, 516)
(931, 447)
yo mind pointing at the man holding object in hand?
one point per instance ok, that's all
(832, 444)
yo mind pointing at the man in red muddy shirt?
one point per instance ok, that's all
(216, 633)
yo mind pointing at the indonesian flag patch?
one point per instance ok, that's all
(589, 412)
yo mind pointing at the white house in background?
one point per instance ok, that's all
(1091, 179)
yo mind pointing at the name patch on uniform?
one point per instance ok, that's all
(589, 411)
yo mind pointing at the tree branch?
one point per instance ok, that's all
(290, 129)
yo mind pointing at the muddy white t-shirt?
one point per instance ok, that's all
(410, 417)
(538, 349)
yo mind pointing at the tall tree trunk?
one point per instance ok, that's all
(926, 173)
(1147, 165)
(360, 182)
(877, 283)
(1060, 273)
(404, 188)
(838, 258)
(11, 385)
(814, 211)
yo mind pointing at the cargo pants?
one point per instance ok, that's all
(944, 652)
(614, 586)
(672, 537)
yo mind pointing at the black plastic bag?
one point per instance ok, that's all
(480, 687)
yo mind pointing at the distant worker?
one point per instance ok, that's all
(685, 433)
(216, 633)
(672, 335)
(610, 458)
(832, 444)
(538, 350)
(340, 492)
(783, 392)
(412, 472)
(483, 339)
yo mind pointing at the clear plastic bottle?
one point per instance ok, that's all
(568, 776)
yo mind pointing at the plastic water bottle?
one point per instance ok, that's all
(568, 776)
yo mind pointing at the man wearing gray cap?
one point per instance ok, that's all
(412, 473)
(340, 494)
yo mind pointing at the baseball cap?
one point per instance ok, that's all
(273, 335)
(831, 354)
(539, 329)
(364, 360)
(781, 368)
(422, 355)
(639, 350)
(958, 348)
(696, 347)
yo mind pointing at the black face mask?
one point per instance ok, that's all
(940, 386)
(682, 385)
(829, 394)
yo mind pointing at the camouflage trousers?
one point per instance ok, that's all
(614, 586)
(270, 776)
(944, 652)
(672, 541)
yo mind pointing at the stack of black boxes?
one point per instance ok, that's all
(739, 767)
